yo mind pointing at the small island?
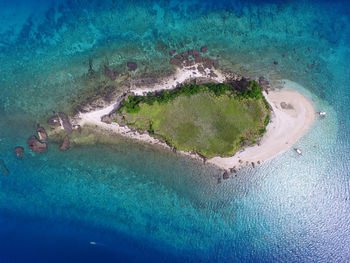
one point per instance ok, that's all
(220, 117)
(224, 119)
(209, 119)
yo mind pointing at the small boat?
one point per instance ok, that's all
(93, 243)
(298, 151)
(322, 113)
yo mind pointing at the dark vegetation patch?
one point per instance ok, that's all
(242, 89)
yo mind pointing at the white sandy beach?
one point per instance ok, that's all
(285, 128)
(180, 76)
(287, 124)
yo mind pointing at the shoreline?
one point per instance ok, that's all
(286, 127)
(292, 115)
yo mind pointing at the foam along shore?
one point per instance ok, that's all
(292, 115)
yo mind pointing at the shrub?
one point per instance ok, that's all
(266, 103)
(267, 120)
(150, 128)
(131, 106)
(251, 91)
(262, 131)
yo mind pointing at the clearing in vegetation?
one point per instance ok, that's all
(211, 119)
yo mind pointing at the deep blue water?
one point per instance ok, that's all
(142, 204)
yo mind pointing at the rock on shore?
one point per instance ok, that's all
(65, 145)
(35, 145)
(54, 121)
(110, 73)
(265, 85)
(225, 176)
(19, 151)
(132, 66)
(191, 57)
(41, 133)
(204, 49)
(107, 119)
(67, 126)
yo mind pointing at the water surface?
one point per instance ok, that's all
(143, 204)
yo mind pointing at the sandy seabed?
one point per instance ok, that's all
(291, 116)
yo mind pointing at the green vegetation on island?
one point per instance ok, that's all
(211, 119)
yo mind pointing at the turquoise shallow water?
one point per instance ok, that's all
(143, 204)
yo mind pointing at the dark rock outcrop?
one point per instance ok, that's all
(191, 57)
(225, 175)
(4, 169)
(54, 121)
(263, 81)
(19, 151)
(204, 159)
(207, 63)
(264, 84)
(41, 133)
(215, 63)
(172, 52)
(107, 119)
(110, 73)
(240, 85)
(212, 74)
(35, 145)
(66, 144)
(201, 69)
(233, 170)
(67, 126)
(204, 49)
(184, 55)
(194, 53)
(132, 66)
(198, 59)
(176, 61)
(286, 106)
